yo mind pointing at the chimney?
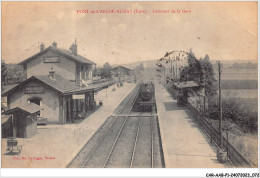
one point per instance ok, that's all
(54, 44)
(74, 48)
(42, 47)
(52, 73)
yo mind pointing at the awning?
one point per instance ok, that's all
(187, 84)
(94, 87)
(28, 108)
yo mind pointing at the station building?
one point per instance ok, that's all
(121, 73)
(58, 80)
(121, 70)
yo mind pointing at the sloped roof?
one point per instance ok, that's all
(59, 83)
(121, 67)
(4, 118)
(29, 108)
(77, 57)
(93, 87)
(3, 107)
(6, 88)
(67, 53)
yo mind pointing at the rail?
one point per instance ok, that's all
(96, 146)
(119, 134)
(233, 154)
(136, 138)
(134, 92)
(115, 142)
(151, 128)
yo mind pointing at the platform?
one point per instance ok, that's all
(64, 141)
(184, 145)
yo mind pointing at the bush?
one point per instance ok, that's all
(232, 111)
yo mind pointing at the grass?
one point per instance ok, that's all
(238, 84)
(240, 94)
(244, 140)
(245, 143)
(239, 74)
(248, 103)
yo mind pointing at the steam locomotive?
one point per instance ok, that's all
(146, 101)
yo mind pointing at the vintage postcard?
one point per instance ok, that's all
(129, 84)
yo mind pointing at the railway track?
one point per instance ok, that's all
(136, 138)
(123, 141)
(126, 105)
(102, 146)
(143, 150)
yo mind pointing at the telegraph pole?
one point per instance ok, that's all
(164, 75)
(220, 104)
(175, 67)
(171, 70)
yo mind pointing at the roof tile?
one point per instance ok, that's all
(65, 52)
(29, 108)
(59, 83)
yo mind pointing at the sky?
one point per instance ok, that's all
(223, 30)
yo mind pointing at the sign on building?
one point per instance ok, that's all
(34, 90)
(78, 97)
(53, 59)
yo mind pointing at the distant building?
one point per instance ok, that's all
(121, 70)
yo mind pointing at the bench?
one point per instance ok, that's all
(12, 146)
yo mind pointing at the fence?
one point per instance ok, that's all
(233, 154)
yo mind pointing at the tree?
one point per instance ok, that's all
(141, 67)
(3, 72)
(191, 72)
(200, 71)
(208, 76)
(95, 71)
(106, 71)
